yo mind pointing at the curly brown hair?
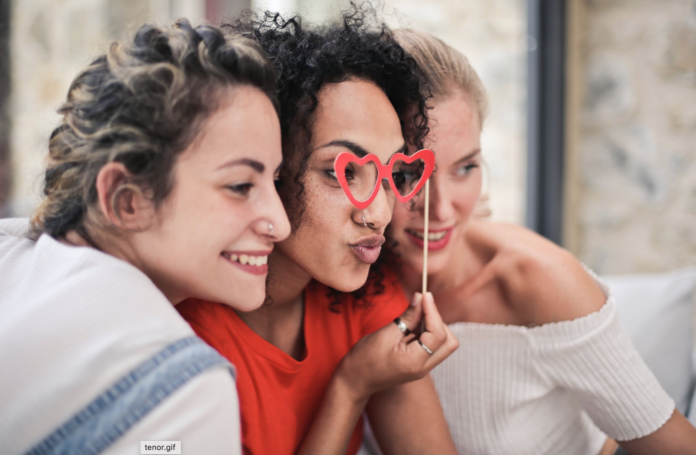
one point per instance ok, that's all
(307, 57)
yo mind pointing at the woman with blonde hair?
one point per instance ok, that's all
(544, 366)
(159, 175)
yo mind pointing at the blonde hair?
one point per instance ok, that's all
(141, 104)
(443, 68)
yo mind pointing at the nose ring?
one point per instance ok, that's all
(364, 222)
(270, 228)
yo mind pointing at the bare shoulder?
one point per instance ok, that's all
(540, 281)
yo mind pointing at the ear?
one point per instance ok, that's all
(121, 202)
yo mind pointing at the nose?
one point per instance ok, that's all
(379, 213)
(441, 208)
(273, 212)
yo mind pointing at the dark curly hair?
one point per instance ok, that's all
(141, 104)
(306, 58)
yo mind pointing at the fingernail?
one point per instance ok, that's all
(416, 298)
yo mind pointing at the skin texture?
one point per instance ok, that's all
(320, 248)
(218, 205)
(359, 112)
(495, 273)
(455, 139)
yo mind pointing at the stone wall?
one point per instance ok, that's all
(493, 35)
(634, 175)
(51, 40)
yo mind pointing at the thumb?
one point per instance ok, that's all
(414, 313)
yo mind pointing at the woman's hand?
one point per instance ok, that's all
(378, 361)
(387, 357)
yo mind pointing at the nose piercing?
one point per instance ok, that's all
(270, 228)
(364, 222)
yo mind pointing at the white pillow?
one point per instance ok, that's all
(657, 310)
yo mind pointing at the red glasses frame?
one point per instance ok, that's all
(383, 172)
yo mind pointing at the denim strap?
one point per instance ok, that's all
(124, 404)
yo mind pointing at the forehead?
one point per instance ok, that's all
(245, 124)
(455, 128)
(360, 112)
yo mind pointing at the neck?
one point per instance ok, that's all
(120, 248)
(286, 279)
(280, 323)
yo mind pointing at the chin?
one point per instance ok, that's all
(244, 302)
(347, 280)
(415, 264)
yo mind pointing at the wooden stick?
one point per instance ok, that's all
(425, 245)
(425, 236)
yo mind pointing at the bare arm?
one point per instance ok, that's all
(333, 425)
(408, 419)
(676, 437)
(382, 360)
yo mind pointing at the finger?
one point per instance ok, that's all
(411, 317)
(418, 356)
(437, 336)
(433, 320)
(414, 313)
(448, 347)
(435, 329)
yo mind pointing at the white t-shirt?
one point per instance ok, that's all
(73, 321)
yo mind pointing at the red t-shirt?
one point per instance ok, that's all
(279, 396)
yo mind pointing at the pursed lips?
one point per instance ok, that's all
(367, 249)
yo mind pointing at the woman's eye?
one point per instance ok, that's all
(331, 174)
(466, 170)
(241, 189)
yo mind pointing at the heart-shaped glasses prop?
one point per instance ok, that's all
(360, 178)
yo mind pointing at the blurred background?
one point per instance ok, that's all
(591, 138)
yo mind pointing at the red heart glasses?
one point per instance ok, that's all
(359, 177)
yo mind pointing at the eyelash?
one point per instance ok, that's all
(242, 189)
(467, 169)
(330, 173)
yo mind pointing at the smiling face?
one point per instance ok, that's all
(332, 244)
(454, 187)
(212, 235)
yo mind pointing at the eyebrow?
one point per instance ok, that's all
(356, 149)
(255, 165)
(468, 157)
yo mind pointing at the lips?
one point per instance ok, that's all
(368, 248)
(437, 239)
(254, 262)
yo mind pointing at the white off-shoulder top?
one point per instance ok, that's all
(551, 389)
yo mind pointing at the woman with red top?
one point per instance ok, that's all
(319, 353)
